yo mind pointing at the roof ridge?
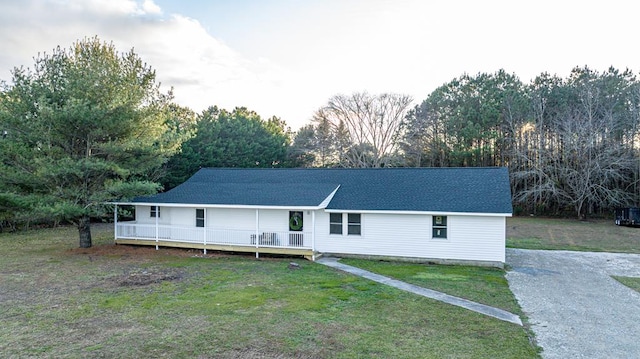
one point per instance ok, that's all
(347, 168)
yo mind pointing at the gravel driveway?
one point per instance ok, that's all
(575, 308)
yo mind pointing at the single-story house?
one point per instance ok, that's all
(426, 214)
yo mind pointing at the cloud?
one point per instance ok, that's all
(150, 7)
(105, 7)
(287, 58)
(203, 70)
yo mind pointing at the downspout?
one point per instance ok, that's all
(257, 230)
(157, 213)
(204, 231)
(313, 236)
(115, 222)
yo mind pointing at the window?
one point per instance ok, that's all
(439, 227)
(335, 223)
(353, 224)
(155, 210)
(199, 217)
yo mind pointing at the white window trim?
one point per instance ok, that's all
(203, 218)
(345, 225)
(341, 224)
(445, 227)
(361, 232)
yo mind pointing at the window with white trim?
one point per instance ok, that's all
(153, 211)
(199, 217)
(335, 223)
(439, 227)
(354, 224)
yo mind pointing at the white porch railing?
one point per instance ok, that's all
(231, 237)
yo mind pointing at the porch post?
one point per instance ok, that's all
(115, 222)
(313, 235)
(204, 231)
(257, 231)
(157, 213)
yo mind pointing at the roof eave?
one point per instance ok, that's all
(229, 206)
(439, 213)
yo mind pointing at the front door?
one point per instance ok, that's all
(296, 225)
(295, 221)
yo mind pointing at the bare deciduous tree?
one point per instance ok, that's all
(366, 127)
(579, 160)
(583, 171)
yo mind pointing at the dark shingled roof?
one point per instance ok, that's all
(468, 189)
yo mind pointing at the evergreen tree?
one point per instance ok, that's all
(87, 125)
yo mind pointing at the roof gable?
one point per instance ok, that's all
(470, 190)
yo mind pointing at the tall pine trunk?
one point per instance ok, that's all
(84, 230)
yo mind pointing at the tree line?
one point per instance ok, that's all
(89, 125)
(571, 144)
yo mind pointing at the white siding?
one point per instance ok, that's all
(245, 219)
(143, 215)
(179, 216)
(473, 238)
(223, 218)
(275, 220)
(182, 216)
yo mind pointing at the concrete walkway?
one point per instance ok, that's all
(432, 294)
(575, 308)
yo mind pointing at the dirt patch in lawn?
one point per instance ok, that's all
(142, 277)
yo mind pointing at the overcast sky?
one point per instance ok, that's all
(286, 57)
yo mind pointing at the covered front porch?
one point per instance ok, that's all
(166, 227)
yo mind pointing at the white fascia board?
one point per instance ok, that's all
(421, 212)
(230, 206)
(327, 200)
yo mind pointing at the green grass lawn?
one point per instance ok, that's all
(570, 234)
(631, 282)
(479, 284)
(123, 302)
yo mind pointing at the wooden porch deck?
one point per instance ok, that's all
(305, 252)
(228, 240)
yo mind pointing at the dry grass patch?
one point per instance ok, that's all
(595, 235)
